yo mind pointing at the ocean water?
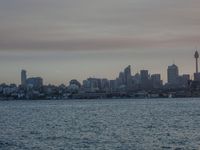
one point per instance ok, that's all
(143, 124)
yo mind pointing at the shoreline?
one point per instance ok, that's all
(100, 99)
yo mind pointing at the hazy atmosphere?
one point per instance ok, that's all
(65, 39)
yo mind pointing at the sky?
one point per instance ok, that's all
(60, 40)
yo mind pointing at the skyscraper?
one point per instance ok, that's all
(121, 78)
(144, 75)
(144, 79)
(156, 81)
(172, 75)
(23, 78)
(127, 76)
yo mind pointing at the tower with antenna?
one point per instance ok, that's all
(196, 56)
(196, 74)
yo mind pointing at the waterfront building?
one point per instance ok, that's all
(86, 86)
(105, 84)
(9, 90)
(92, 85)
(99, 84)
(113, 85)
(94, 82)
(34, 82)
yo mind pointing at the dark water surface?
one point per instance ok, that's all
(100, 124)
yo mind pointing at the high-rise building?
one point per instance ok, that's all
(23, 78)
(144, 79)
(128, 77)
(113, 85)
(86, 85)
(172, 75)
(156, 80)
(94, 84)
(144, 75)
(155, 77)
(105, 84)
(184, 80)
(197, 76)
(137, 78)
(121, 79)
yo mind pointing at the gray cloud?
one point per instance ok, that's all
(94, 25)
(96, 36)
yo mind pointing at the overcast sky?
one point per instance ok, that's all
(64, 39)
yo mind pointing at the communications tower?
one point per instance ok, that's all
(196, 56)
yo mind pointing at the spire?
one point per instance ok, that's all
(196, 56)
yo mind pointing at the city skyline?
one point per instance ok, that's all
(164, 77)
(144, 77)
(61, 40)
(173, 75)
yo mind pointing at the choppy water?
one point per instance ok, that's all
(100, 124)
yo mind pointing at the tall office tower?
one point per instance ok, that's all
(144, 79)
(121, 79)
(172, 75)
(23, 78)
(144, 75)
(156, 80)
(127, 76)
